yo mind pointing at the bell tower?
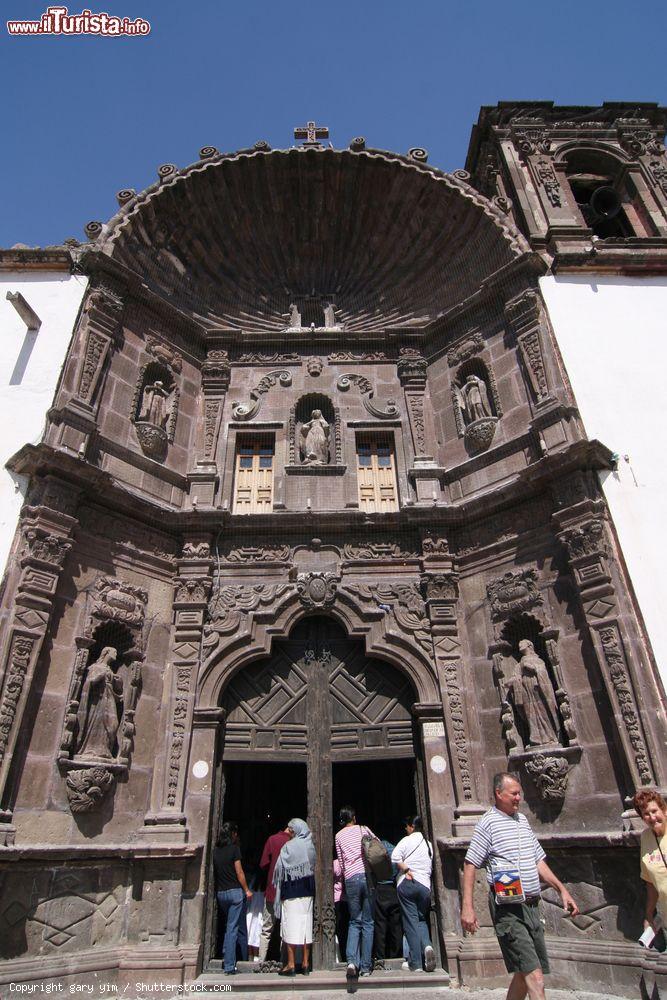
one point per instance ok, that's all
(579, 182)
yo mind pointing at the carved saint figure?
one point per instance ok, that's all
(294, 317)
(98, 716)
(534, 698)
(153, 405)
(329, 316)
(474, 399)
(314, 446)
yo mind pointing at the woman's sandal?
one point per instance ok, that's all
(287, 970)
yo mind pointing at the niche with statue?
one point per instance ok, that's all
(535, 712)
(155, 408)
(98, 730)
(314, 435)
(477, 406)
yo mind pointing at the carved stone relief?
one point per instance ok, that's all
(476, 404)
(317, 590)
(345, 382)
(404, 602)
(156, 399)
(465, 349)
(98, 729)
(513, 593)
(246, 411)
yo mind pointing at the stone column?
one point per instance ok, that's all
(192, 588)
(425, 475)
(440, 585)
(582, 528)
(45, 532)
(215, 378)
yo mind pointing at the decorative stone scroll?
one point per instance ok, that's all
(404, 602)
(229, 604)
(259, 553)
(345, 382)
(246, 411)
(376, 550)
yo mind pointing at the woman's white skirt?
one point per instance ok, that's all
(296, 925)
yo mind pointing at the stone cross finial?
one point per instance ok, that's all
(311, 132)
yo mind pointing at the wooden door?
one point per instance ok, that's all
(376, 475)
(253, 485)
(319, 699)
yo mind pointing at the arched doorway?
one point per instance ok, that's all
(317, 725)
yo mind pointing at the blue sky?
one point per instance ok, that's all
(85, 117)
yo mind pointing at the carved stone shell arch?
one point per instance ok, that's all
(253, 636)
(435, 251)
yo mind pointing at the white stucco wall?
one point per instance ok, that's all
(30, 366)
(612, 332)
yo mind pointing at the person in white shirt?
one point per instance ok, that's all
(414, 857)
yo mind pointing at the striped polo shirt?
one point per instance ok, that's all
(348, 849)
(500, 840)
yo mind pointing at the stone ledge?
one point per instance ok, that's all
(89, 852)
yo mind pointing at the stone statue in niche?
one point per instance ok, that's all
(293, 317)
(329, 316)
(533, 698)
(154, 408)
(98, 708)
(314, 445)
(474, 399)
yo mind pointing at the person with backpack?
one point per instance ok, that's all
(388, 938)
(414, 857)
(359, 897)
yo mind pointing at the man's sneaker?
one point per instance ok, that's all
(365, 972)
(351, 971)
(429, 959)
(405, 967)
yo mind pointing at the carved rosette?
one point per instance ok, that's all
(317, 590)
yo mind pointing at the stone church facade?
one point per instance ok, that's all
(315, 517)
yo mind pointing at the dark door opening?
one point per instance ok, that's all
(262, 797)
(383, 793)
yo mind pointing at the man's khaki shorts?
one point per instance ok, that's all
(520, 935)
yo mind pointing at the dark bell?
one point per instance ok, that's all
(605, 202)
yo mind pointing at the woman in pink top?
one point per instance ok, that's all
(359, 898)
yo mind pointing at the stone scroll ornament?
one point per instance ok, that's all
(404, 602)
(229, 604)
(365, 387)
(246, 411)
(98, 731)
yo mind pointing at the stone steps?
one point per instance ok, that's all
(391, 983)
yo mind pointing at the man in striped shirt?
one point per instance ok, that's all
(503, 839)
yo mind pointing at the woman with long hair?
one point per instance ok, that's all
(232, 893)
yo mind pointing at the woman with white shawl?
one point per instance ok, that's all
(294, 880)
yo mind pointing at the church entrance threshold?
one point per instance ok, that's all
(316, 726)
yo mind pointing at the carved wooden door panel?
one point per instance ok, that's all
(376, 475)
(319, 698)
